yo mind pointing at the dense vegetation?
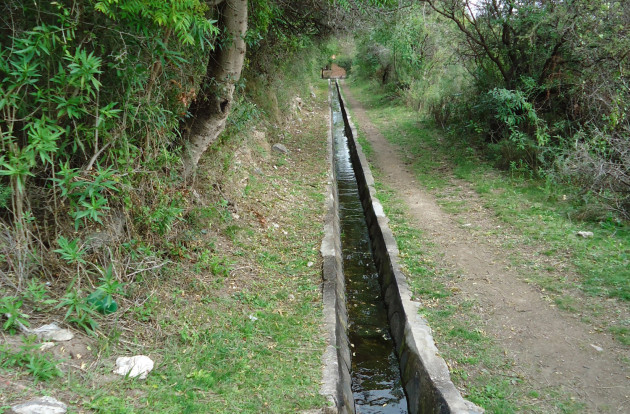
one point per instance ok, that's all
(539, 87)
(101, 105)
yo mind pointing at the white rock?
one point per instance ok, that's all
(309, 264)
(585, 234)
(43, 405)
(52, 332)
(135, 366)
(597, 348)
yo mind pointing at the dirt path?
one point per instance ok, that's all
(549, 346)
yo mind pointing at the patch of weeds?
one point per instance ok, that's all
(146, 311)
(566, 302)
(163, 212)
(366, 147)
(37, 294)
(216, 264)
(10, 308)
(454, 206)
(71, 251)
(494, 397)
(109, 404)
(137, 251)
(29, 358)
(79, 311)
(232, 232)
(108, 342)
(621, 333)
(568, 405)
(201, 218)
(269, 260)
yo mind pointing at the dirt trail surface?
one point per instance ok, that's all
(549, 347)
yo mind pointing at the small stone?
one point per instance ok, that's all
(280, 148)
(43, 405)
(467, 225)
(235, 216)
(597, 348)
(52, 332)
(585, 234)
(136, 366)
(309, 264)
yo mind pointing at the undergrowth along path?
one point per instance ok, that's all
(553, 359)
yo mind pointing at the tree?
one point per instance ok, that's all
(223, 72)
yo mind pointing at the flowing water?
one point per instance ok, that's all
(375, 374)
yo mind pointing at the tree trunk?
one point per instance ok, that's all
(224, 70)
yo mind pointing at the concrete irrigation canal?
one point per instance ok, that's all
(376, 384)
(381, 357)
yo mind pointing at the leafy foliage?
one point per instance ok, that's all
(539, 85)
(79, 311)
(146, 16)
(88, 92)
(10, 308)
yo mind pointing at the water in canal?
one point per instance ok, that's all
(375, 374)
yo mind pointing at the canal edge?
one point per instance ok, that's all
(336, 382)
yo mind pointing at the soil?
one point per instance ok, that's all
(550, 347)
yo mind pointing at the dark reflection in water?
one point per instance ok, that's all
(375, 374)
